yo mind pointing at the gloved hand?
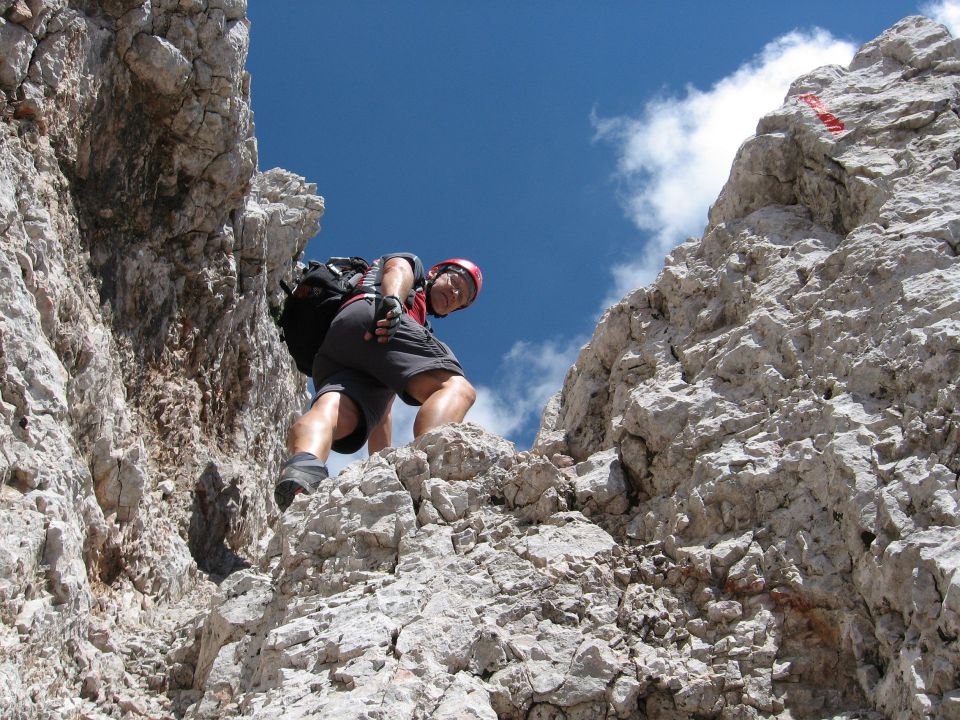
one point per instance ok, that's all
(386, 318)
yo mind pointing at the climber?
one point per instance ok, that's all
(380, 345)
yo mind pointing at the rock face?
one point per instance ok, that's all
(784, 399)
(742, 504)
(143, 389)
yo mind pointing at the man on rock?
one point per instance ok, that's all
(380, 345)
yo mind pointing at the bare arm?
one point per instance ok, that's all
(397, 280)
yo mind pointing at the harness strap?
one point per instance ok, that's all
(353, 299)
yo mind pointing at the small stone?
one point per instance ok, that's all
(724, 611)
(20, 12)
(159, 64)
(92, 686)
(624, 694)
(18, 46)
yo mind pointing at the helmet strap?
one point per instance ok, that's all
(428, 286)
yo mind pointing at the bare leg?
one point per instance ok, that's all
(382, 435)
(445, 398)
(333, 416)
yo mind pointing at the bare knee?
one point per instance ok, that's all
(444, 398)
(426, 385)
(332, 416)
(303, 425)
(324, 412)
(462, 387)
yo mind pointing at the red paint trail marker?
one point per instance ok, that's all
(833, 123)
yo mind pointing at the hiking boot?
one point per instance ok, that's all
(295, 480)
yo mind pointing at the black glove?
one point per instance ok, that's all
(389, 308)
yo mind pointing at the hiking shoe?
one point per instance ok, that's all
(295, 480)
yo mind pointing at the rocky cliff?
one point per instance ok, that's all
(742, 504)
(144, 391)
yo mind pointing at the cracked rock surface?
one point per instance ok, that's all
(742, 504)
(784, 400)
(141, 376)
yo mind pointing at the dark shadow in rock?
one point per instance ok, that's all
(216, 523)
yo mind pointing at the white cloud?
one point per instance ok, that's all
(494, 412)
(530, 374)
(944, 11)
(675, 158)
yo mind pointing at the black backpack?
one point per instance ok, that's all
(311, 305)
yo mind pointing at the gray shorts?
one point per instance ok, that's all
(369, 373)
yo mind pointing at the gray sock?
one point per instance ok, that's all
(307, 462)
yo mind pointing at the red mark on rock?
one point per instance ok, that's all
(833, 123)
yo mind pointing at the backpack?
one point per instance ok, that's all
(311, 305)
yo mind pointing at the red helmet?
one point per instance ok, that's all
(470, 268)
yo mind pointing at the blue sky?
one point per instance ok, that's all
(563, 146)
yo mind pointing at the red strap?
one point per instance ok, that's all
(353, 299)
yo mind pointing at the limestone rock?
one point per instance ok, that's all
(742, 504)
(600, 485)
(374, 607)
(16, 47)
(158, 63)
(784, 398)
(140, 254)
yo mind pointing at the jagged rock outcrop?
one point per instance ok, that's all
(144, 389)
(742, 504)
(784, 398)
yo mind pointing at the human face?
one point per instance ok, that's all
(451, 291)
